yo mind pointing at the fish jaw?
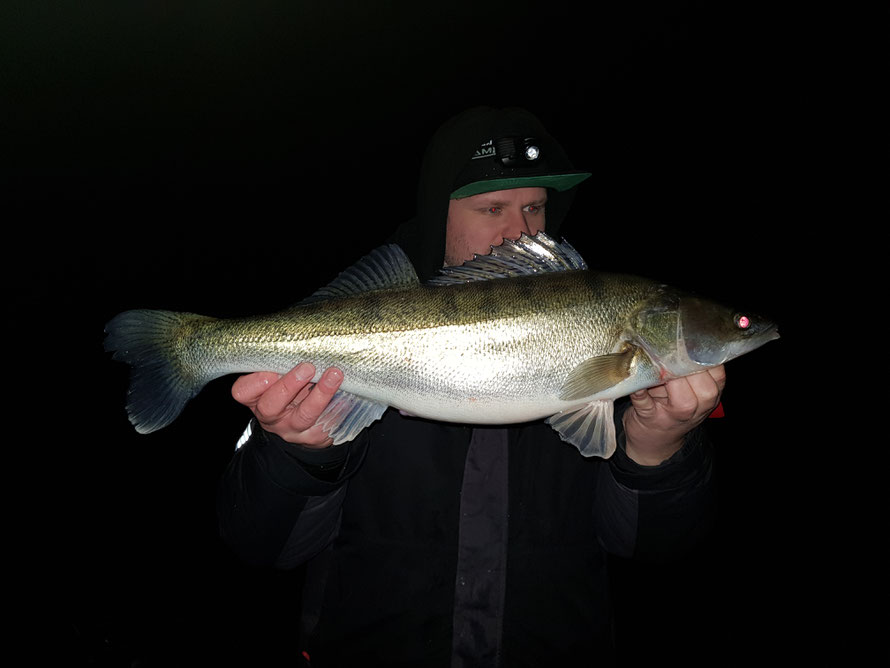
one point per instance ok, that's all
(680, 362)
(734, 349)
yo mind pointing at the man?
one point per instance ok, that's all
(441, 544)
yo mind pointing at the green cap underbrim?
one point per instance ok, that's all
(555, 181)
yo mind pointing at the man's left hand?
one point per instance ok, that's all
(661, 416)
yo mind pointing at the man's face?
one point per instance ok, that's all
(476, 223)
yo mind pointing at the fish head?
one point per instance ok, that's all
(684, 334)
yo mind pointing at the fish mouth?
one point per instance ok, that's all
(715, 354)
(769, 333)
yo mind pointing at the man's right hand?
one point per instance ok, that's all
(289, 405)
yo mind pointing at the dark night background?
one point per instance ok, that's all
(230, 157)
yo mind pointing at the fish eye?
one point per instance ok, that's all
(742, 321)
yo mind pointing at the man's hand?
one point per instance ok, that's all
(661, 416)
(289, 405)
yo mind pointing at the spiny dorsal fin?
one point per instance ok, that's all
(526, 255)
(384, 268)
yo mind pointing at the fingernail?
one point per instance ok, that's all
(304, 371)
(333, 377)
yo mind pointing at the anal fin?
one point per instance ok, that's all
(347, 414)
(590, 428)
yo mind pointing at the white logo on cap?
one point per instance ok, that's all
(487, 150)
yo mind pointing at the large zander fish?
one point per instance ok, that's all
(524, 333)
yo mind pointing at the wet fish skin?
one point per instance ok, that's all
(519, 340)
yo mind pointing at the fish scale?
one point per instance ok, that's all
(525, 333)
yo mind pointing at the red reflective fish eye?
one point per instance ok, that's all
(744, 322)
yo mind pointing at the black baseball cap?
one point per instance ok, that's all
(512, 161)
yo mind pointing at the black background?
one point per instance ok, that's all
(229, 158)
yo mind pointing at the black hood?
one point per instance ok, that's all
(446, 156)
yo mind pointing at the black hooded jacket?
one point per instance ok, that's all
(433, 544)
(423, 237)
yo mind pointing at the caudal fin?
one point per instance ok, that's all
(161, 382)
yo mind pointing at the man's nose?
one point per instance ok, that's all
(516, 223)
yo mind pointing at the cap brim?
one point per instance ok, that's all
(555, 181)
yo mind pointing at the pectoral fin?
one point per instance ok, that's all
(590, 428)
(346, 415)
(597, 374)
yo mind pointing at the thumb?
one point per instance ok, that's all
(643, 403)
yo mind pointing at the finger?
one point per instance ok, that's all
(277, 399)
(308, 411)
(718, 373)
(706, 389)
(682, 401)
(657, 392)
(248, 388)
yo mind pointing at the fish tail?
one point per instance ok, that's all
(162, 381)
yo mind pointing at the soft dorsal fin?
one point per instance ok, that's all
(384, 268)
(525, 255)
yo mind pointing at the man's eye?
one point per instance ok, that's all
(534, 208)
(493, 209)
